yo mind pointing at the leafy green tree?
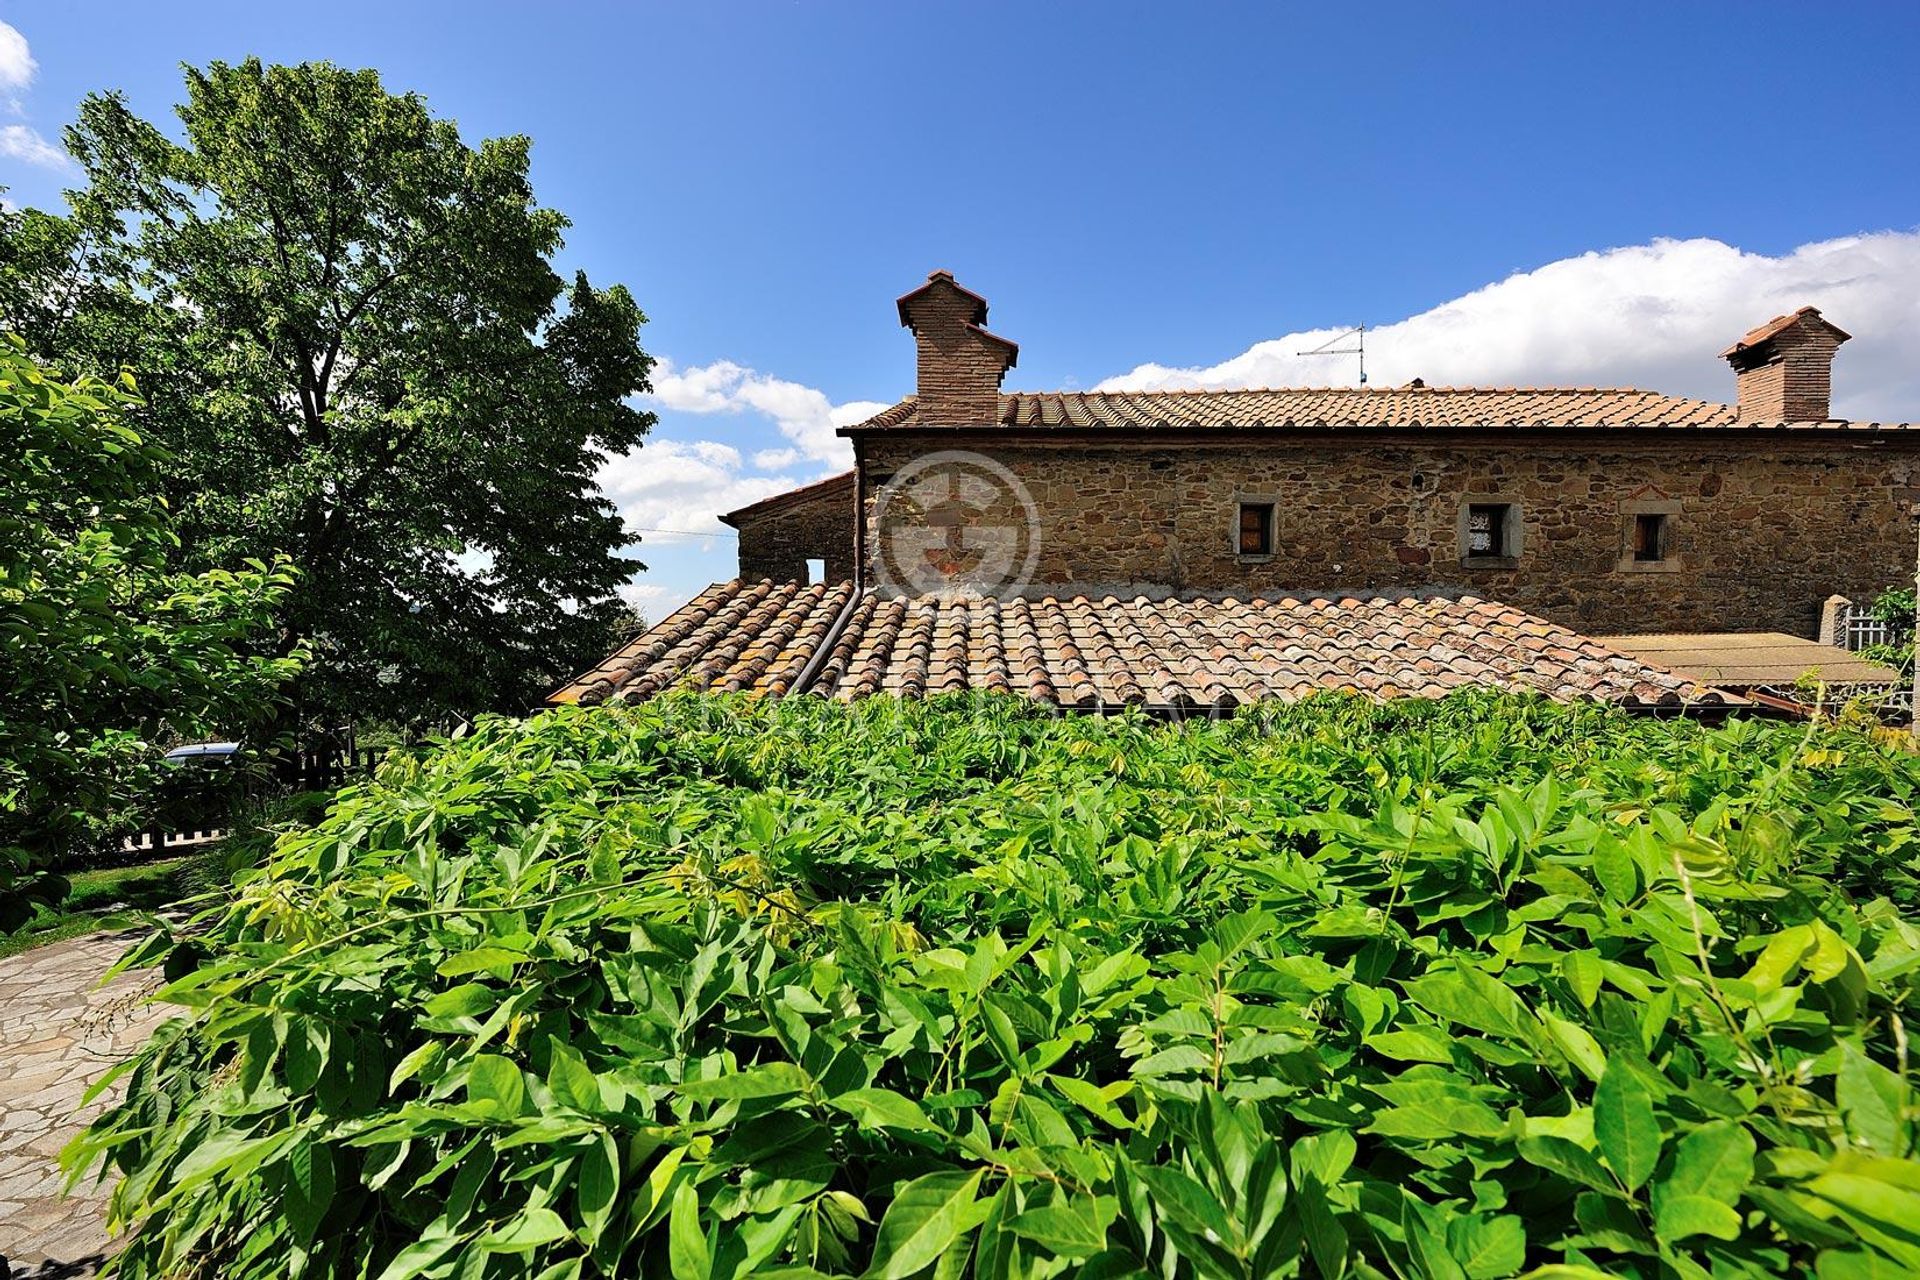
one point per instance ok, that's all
(105, 650)
(358, 353)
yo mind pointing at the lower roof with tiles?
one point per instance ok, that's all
(763, 637)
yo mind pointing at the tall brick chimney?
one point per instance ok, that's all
(1784, 369)
(960, 363)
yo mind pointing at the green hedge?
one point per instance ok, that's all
(710, 988)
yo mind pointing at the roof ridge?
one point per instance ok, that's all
(1505, 409)
(1459, 389)
(774, 501)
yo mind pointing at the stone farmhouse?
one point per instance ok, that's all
(1089, 546)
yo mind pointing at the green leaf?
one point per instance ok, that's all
(495, 1085)
(1778, 959)
(1613, 868)
(1878, 1195)
(1680, 1216)
(1557, 1155)
(1176, 1060)
(309, 1187)
(494, 960)
(307, 1051)
(768, 1080)
(1187, 1203)
(1414, 1044)
(532, 1228)
(1581, 1049)
(1714, 1160)
(1625, 1127)
(926, 1216)
(1072, 1228)
(1095, 1100)
(598, 1187)
(1438, 1119)
(570, 1080)
(419, 1257)
(1835, 1264)
(1326, 1237)
(881, 1109)
(1873, 1100)
(1488, 1248)
(1427, 1243)
(1583, 972)
(688, 1255)
(1471, 998)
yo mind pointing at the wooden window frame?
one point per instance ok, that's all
(1271, 506)
(1631, 512)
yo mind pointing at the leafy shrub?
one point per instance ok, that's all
(1895, 607)
(709, 988)
(106, 649)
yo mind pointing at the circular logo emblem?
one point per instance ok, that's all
(955, 523)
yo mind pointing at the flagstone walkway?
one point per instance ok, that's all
(59, 1031)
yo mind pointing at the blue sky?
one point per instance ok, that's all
(1169, 195)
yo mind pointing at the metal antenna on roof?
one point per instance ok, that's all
(1358, 349)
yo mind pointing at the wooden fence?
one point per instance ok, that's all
(321, 769)
(324, 769)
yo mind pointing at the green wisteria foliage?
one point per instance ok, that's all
(708, 989)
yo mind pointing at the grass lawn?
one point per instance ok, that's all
(117, 897)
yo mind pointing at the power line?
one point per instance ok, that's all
(691, 533)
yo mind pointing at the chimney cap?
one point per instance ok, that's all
(942, 279)
(1805, 317)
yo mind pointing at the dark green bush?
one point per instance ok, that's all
(712, 989)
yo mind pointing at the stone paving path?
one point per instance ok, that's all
(59, 1031)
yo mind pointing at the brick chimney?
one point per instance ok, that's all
(960, 363)
(1784, 369)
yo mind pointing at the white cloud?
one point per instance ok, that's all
(1653, 316)
(20, 142)
(803, 414)
(684, 485)
(17, 66)
(650, 597)
(775, 459)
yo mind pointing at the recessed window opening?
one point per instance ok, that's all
(816, 572)
(1487, 529)
(1256, 529)
(1649, 537)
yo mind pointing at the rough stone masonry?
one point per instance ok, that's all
(1672, 514)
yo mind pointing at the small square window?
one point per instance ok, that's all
(1490, 534)
(1487, 529)
(1649, 537)
(1256, 529)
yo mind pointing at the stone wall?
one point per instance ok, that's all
(779, 536)
(1761, 526)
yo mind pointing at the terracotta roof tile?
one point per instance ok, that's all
(1075, 651)
(1780, 324)
(818, 489)
(1357, 408)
